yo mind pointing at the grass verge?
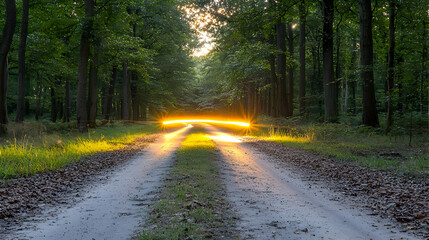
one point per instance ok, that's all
(191, 204)
(363, 145)
(30, 155)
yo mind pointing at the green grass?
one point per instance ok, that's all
(363, 145)
(49, 151)
(189, 204)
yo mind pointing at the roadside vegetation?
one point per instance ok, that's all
(36, 146)
(191, 205)
(401, 150)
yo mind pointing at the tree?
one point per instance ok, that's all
(330, 86)
(391, 64)
(5, 42)
(83, 66)
(109, 96)
(124, 97)
(369, 110)
(93, 89)
(290, 71)
(302, 20)
(20, 109)
(281, 68)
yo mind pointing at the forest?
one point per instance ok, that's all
(214, 119)
(107, 60)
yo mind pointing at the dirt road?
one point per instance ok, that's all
(270, 201)
(275, 203)
(114, 209)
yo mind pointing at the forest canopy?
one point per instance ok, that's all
(108, 60)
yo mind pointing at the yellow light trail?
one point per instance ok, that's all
(242, 124)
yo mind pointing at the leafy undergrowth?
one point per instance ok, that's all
(366, 146)
(30, 155)
(191, 205)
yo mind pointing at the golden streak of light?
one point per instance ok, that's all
(175, 133)
(185, 121)
(223, 137)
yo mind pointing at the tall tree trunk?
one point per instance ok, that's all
(61, 109)
(281, 69)
(67, 107)
(38, 96)
(274, 87)
(125, 92)
(109, 95)
(424, 71)
(302, 22)
(352, 77)
(93, 91)
(290, 70)
(118, 103)
(20, 109)
(135, 96)
(369, 110)
(144, 112)
(338, 68)
(273, 110)
(330, 86)
(5, 86)
(54, 112)
(391, 65)
(5, 42)
(83, 66)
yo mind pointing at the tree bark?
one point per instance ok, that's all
(144, 112)
(330, 86)
(338, 68)
(20, 110)
(53, 106)
(109, 95)
(352, 76)
(274, 84)
(125, 92)
(281, 69)
(5, 86)
(135, 96)
(391, 65)
(424, 71)
(369, 110)
(67, 107)
(83, 66)
(38, 96)
(93, 91)
(60, 107)
(302, 22)
(5, 42)
(290, 71)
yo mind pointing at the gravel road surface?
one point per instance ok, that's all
(112, 210)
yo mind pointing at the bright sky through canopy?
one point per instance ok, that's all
(199, 22)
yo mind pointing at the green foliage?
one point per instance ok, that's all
(23, 155)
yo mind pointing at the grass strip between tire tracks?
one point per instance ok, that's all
(191, 205)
